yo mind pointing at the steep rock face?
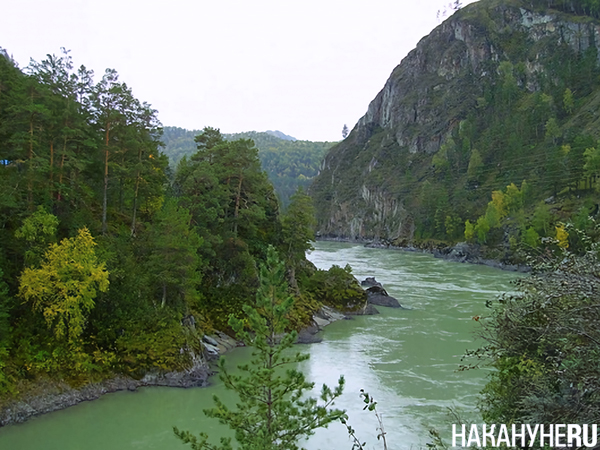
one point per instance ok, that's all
(367, 182)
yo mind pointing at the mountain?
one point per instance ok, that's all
(280, 135)
(501, 92)
(289, 163)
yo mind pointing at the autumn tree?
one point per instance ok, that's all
(65, 285)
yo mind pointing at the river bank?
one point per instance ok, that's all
(47, 395)
(407, 359)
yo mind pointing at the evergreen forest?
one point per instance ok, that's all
(289, 163)
(123, 242)
(110, 261)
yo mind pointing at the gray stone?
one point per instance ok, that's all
(211, 350)
(210, 340)
(321, 322)
(379, 299)
(309, 335)
(369, 282)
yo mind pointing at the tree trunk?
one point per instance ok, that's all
(62, 164)
(30, 157)
(135, 194)
(105, 198)
(237, 206)
(51, 170)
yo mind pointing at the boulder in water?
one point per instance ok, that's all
(377, 295)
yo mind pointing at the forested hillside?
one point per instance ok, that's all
(289, 163)
(110, 263)
(487, 131)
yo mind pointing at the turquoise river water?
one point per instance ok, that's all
(406, 358)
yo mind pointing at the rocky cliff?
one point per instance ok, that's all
(411, 151)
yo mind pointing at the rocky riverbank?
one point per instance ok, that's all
(50, 395)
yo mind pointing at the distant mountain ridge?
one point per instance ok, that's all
(281, 135)
(289, 163)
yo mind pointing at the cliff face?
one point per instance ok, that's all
(369, 183)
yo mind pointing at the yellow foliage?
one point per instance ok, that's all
(499, 201)
(154, 204)
(562, 236)
(469, 231)
(64, 287)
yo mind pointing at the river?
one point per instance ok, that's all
(407, 359)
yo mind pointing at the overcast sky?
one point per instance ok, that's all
(305, 67)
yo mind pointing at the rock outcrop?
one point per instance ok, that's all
(371, 185)
(217, 344)
(322, 318)
(50, 396)
(377, 295)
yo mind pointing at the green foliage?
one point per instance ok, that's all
(568, 101)
(371, 405)
(475, 168)
(39, 231)
(543, 342)
(482, 228)
(298, 228)
(505, 207)
(454, 227)
(80, 165)
(542, 219)
(440, 159)
(154, 344)
(469, 231)
(337, 288)
(174, 262)
(592, 161)
(530, 238)
(273, 411)
(289, 164)
(5, 330)
(75, 156)
(234, 208)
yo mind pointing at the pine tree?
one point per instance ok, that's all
(345, 131)
(174, 263)
(298, 231)
(272, 411)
